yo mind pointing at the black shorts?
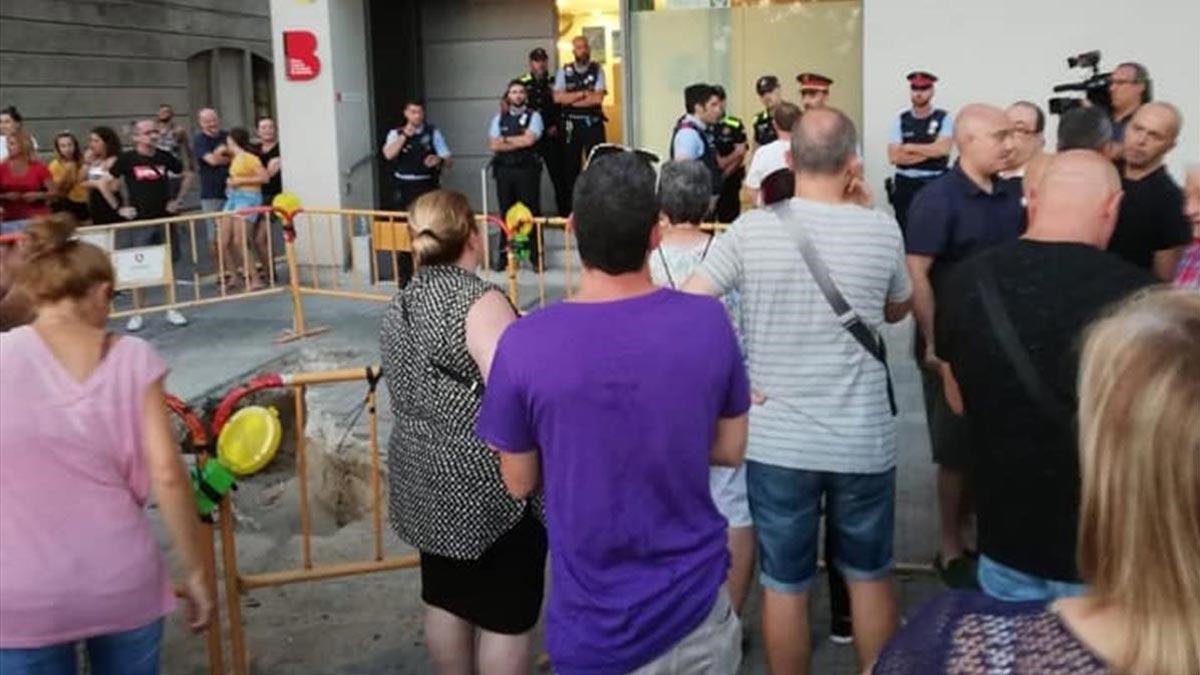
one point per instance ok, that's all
(502, 591)
(949, 434)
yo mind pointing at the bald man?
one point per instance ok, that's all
(1152, 230)
(1009, 322)
(212, 161)
(959, 214)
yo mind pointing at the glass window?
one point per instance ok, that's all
(679, 42)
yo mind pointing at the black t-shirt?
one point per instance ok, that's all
(147, 180)
(1024, 460)
(275, 185)
(1151, 219)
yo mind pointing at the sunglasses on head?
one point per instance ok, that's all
(612, 148)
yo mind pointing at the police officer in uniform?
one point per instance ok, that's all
(513, 136)
(417, 153)
(539, 87)
(694, 134)
(919, 145)
(771, 95)
(579, 88)
(814, 90)
(729, 139)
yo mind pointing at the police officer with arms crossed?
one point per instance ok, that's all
(771, 95)
(512, 137)
(919, 145)
(539, 89)
(729, 138)
(579, 88)
(693, 135)
(418, 153)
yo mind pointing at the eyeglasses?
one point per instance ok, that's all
(603, 149)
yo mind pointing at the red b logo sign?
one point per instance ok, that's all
(300, 51)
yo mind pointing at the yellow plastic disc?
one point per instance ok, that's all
(250, 439)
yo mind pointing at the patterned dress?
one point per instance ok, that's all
(446, 493)
(972, 634)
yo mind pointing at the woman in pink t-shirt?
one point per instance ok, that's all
(85, 439)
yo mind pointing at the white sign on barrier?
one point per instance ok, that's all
(102, 239)
(143, 266)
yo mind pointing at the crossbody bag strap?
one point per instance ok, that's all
(1006, 335)
(850, 320)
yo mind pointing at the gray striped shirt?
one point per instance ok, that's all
(826, 407)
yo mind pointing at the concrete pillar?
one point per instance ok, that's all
(324, 122)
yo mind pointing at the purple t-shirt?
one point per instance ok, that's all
(622, 400)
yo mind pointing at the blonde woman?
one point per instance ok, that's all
(1139, 534)
(483, 553)
(85, 442)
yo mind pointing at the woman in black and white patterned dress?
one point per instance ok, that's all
(483, 553)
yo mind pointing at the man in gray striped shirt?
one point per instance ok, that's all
(821, 426)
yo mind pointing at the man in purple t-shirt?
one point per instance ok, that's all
(619, 401)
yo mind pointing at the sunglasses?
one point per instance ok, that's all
(612, 148)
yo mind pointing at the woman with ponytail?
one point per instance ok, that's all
(85, 441)
(483, 553)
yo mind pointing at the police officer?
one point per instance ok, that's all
(814, 90)
(417, 153)
(579, 88)
(513, 135)
(539, 87)
(693, 137)
(771, 95)
(919, 145)
(729, 139)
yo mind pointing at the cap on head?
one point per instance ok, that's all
(813, 82)
(538, 54)
(920, 79)
(766, 83)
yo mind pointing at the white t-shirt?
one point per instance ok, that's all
(767, 160)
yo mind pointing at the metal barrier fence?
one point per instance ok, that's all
(237, 583)
(355, 254)
(156, 259)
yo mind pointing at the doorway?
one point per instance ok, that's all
(600, 22)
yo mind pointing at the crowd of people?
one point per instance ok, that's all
(103, 183)
(705, 406)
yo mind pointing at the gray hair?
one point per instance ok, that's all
(823, 146)
(684, 190)
(1085, 128)
(1141, 75)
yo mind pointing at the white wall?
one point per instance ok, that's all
(307, 141)
(352, 107)
(999, 52)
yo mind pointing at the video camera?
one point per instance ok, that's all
(1094, 87)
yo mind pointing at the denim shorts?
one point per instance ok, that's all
(1011, 585)
(243, 199)
(786, 506)
(131, 652)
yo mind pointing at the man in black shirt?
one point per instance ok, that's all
(1009, 324)
(146, 172)
(1152, 230)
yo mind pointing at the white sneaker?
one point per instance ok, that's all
(175, 318)
(135, 323)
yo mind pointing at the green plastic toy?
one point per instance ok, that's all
(210, 485)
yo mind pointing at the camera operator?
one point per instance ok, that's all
(1128, 88)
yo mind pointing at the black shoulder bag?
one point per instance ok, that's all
(871, 341)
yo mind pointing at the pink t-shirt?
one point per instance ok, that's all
(79, 557)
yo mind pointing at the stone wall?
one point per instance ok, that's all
(75, 64)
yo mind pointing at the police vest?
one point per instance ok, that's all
(410, 162)
(582, 80)
(541, 97)
(764, 128)
(922, 131)
(730, 133)
(709, 158)
(515, 125)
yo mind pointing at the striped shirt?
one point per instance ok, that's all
(826, 407)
